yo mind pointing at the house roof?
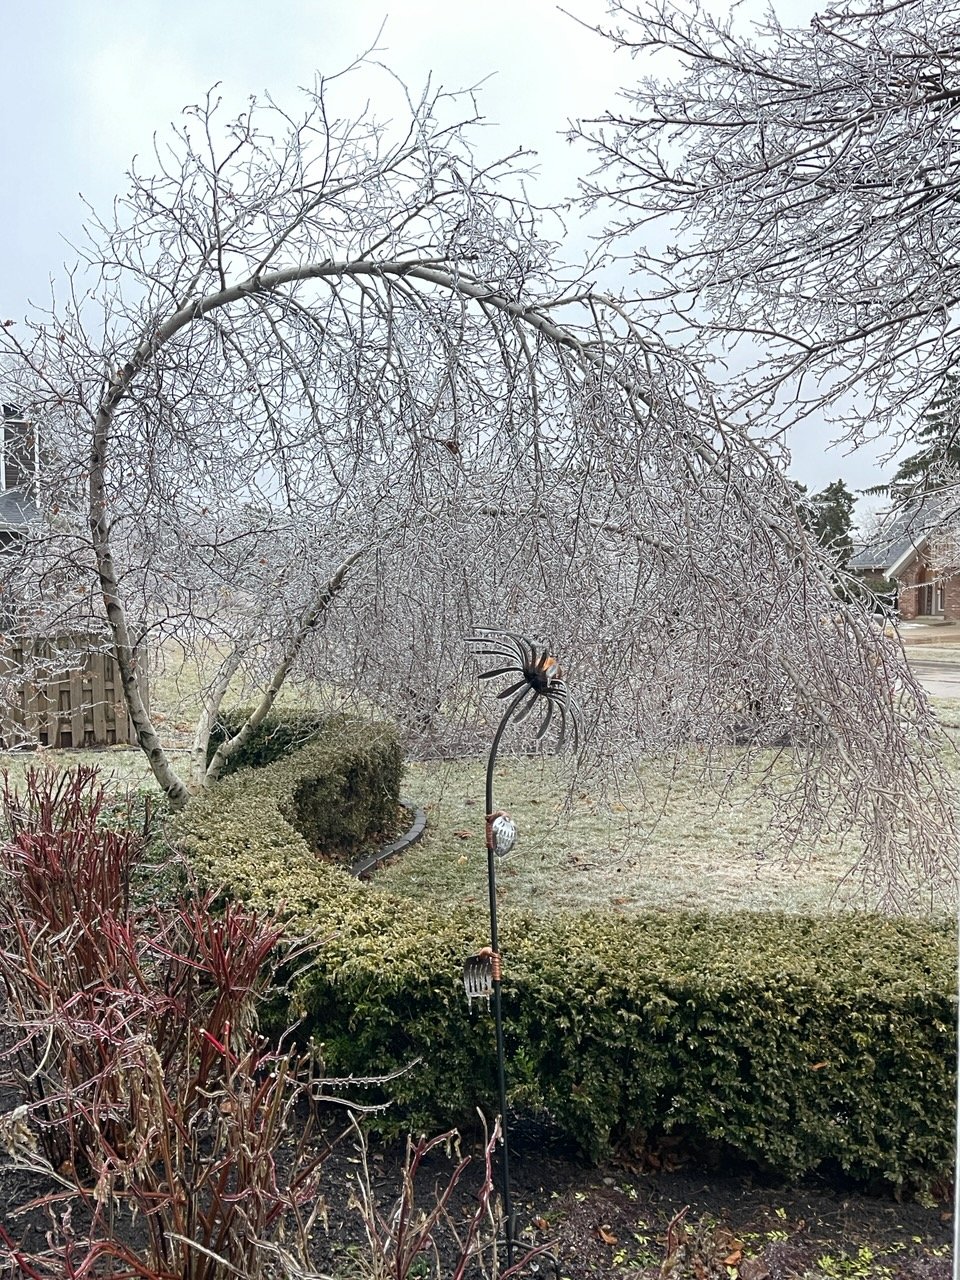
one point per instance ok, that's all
(906, 532)
(17, 510)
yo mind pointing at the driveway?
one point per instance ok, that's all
(941, 679)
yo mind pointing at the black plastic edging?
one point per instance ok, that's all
(370, 863)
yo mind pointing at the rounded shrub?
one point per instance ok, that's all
(337, 795)
(281, 731)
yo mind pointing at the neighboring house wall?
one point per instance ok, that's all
(908, 596)
(924, 594)
(18, 457)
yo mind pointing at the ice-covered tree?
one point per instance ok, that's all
(320, 390)
(803, 183)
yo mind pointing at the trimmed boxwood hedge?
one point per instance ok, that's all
(794, 1042)
(340, 792)
(281, 731)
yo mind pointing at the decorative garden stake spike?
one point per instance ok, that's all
(540, 685)
(478, 975)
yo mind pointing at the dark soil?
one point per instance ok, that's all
(614, 1220)
(636, 1220)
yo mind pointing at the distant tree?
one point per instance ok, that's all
(831, 519)
(936, 463)
(828, 515)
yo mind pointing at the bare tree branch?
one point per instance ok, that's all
(803, 184)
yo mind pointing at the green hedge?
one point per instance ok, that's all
(337, 796)
(282, 731)
(793, 1042)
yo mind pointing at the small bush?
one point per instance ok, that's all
(338, 795)
(794, 1042)
(282, 730)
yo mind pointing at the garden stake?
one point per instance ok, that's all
(540, 678)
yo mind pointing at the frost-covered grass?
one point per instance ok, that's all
(680, 837)
(934, 653)
(674, 838)
(122, 768)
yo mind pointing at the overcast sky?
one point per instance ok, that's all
(87, 83)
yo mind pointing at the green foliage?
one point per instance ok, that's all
(791, 1041)
(282, 730)
(336, 796)
(828, 514)
(872, 591)
(937, 459)
(832, 518)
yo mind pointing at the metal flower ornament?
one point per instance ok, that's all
(540, 687)
(541, 680)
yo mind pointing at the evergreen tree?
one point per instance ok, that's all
(833, 518)
(829, 516)
(937, 460)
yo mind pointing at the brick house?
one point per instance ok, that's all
(903, 554)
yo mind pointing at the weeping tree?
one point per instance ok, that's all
(320, 397)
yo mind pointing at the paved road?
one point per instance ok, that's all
(940, 679)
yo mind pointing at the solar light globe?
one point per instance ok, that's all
(503, 833)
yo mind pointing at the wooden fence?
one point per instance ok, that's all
(61, 692)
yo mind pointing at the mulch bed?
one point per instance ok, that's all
(614, 1220)
(622, 1219)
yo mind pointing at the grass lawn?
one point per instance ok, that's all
(676, 839)
(120, 767)
(679, 839)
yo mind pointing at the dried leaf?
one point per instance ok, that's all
(541, 1224)
(464, 834)
(606, 1235)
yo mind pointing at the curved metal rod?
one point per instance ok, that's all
(545, 722)
(521, 684)
(497, 1001)
(495, 746)
(500, 671)
(525, 711)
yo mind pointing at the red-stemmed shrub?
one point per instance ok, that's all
(177, 1142)
(158, 1107)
